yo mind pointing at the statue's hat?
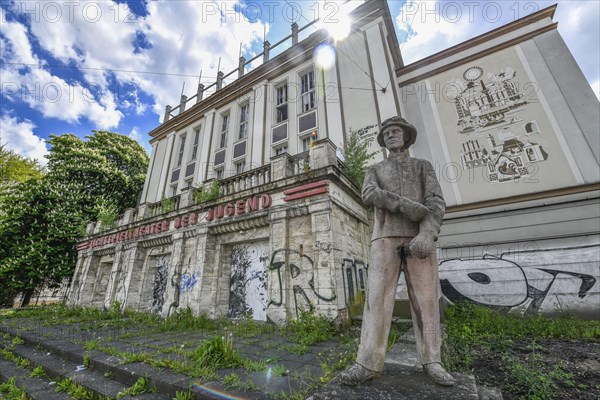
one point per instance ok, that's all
(409, 130)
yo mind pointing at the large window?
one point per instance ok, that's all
(181, 149)
(196, 141)
(307, 90)
(244, 121)
(281, 103)
(224, 129)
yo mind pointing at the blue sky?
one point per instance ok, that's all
(74, 66)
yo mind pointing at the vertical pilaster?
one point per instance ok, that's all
(278, 276)
(172, 292)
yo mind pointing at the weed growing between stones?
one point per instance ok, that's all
(233, 381)
(142, 385)
(12, 391)
(38, 372)
(75, 390)
(184, 395)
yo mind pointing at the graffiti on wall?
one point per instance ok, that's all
(188, 281)
(248, 281)
(556, 280)
(301, 269)
(160, 284)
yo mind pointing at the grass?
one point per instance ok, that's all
(75, 390)
(476, 333)
(12, 391)
(38, 372)
(309, 329)
(233, 381)
(142, 385)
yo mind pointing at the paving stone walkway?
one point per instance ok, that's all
(107, 359)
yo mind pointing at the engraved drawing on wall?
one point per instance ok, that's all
(248, 281)
(499, 131)
(160, 284)
(489, 110)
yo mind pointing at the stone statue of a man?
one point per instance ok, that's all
(409, 208)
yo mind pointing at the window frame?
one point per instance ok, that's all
(196, 144)
(244, 123)
(181, 152)
(281, 102)
(225, 120)
(308, 90)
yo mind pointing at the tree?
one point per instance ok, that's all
(356, 156)
(14, 169)
(45, 216)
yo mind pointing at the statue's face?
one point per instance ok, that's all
(393, 137)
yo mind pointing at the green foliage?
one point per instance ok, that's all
(184, 319)
(233, 381)
(45, 215)
(334, 360)
(356, 156)
(310, 329)
(74, 390)
(479, 333)
(142, 385)
(38, 372)
(167, 204)
(533, 380)
(184, 395)
(107, 214)
(12, 391)
(217, 352)
(87, 361)
(15, 169)
(17, 340)
(202, 195)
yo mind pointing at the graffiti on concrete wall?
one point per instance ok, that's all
(531, 282)
(301, 269)
(160, 284)
(188, 281)
(248, 281)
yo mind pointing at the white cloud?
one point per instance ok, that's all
(142, 139)
(431, 29)
(596, 88)
(47, 93)
(185, 37)
(19, 137)
(437, 25)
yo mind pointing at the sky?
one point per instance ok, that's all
(76, 66)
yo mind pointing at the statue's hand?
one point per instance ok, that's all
(413, 210)
(422, 245)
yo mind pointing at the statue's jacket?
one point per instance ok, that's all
(407, 177)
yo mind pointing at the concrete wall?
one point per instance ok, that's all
(527, 244)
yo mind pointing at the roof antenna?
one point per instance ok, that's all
(182, 87)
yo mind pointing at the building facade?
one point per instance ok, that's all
(246, 209)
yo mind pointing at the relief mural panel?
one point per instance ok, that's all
(500, 138)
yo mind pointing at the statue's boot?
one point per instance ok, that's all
(438, 374)
(357, 374)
